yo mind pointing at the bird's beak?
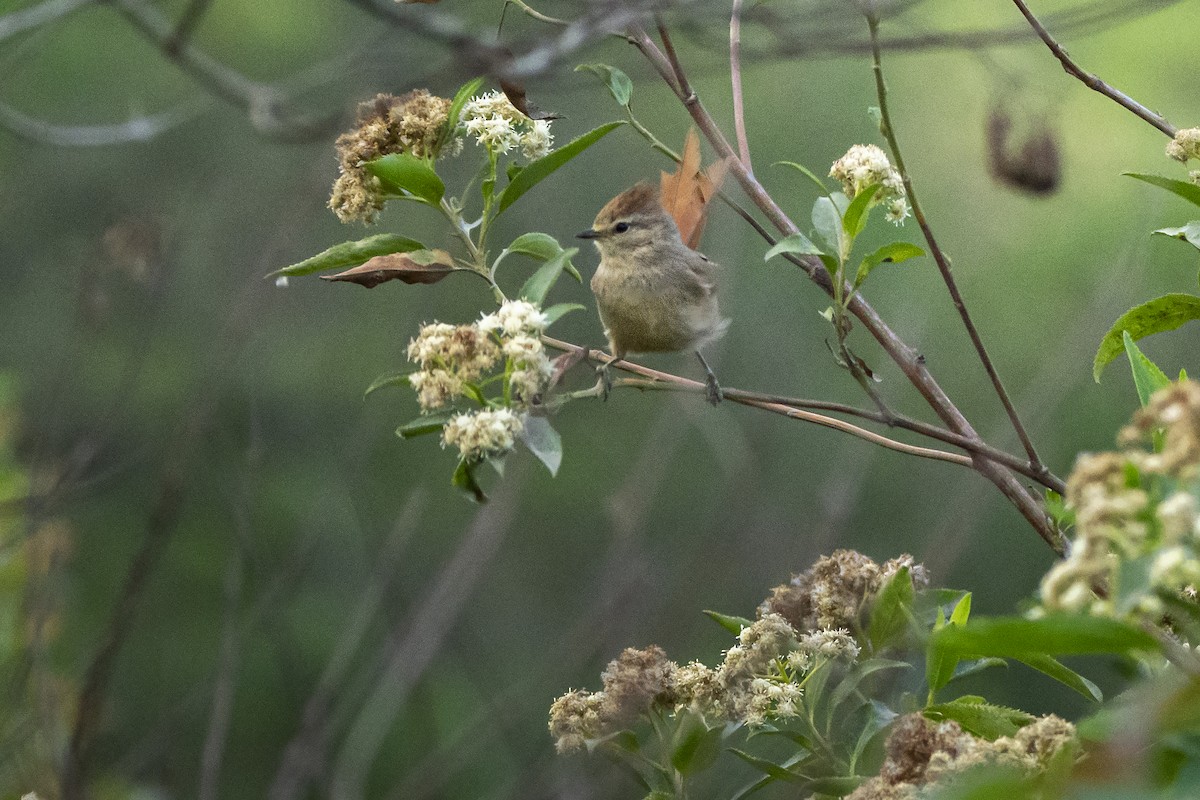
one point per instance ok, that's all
(588, 234)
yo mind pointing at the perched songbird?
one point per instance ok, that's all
(655, 294)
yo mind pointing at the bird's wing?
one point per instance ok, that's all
(704, 282)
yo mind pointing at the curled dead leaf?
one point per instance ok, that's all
(564, 362)
(418, 266)
(687, 191)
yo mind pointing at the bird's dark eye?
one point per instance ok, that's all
(621, 227)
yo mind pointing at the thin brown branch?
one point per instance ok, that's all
(939, 256)
(221, 713)
(735, 72)
(1091, 81)
(792, 407)
(904, 356)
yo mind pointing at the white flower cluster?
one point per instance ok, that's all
(1185, 145)
(483, 433)
(866, 165)
(1120, 519)
(830, 643)
(500, 127)
(450, 356)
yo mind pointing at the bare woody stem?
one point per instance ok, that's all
(1088, 79)
(735, 72)
(905, 357)
(939, 256)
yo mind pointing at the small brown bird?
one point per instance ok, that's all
(655, 294)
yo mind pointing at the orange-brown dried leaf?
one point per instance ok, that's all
(686, 193)
(419, 266)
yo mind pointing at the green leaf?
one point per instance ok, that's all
(464, 479)
(383, 381)
(456, 105)
(422, 426)
(1188, 191)
(834, 787)
(892, 253)
(941, 666)
(730, 623)
(1189, 233)
(980, 718)
(349, 254)
(858, 212)
(806, 172)
(1064, 675)
(1164, 313)
(1147, 377)
(857, 674)
(545, 166)
(694, 746)
(892, 610)
(962, 610)
(827, 221)
(557, 311)
(543, 441)
(974, 666)
(880, 717)
(794, 243)
(405, 172)
(541, 282)
(541, 246)
(1054, 634)
(776, 771)
(618, 82)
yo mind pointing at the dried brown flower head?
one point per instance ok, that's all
(413, 123)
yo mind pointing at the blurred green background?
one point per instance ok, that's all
(315, 592)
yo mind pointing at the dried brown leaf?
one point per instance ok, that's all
(419, 266)
(686, 193)
(564, 363)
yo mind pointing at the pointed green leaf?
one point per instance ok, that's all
(806, 172)
(857, 674)
(1147, 377)
(618, 82)
(962, 610)
(892, 610)
(982, 719)
(422, 426)
(1054, 634)
(545, 166)
(403, 172)
(776, 771)
(383, 381)
(558, 310)
(541, 246)
(730, 623)
(1064, 675)
(1188, 191)
(794, 243)
(892, 253)
(456, 105)
(1164, 313)
(543, 441)
(694, 746)
(974, 666)
(827, 222)
(349, 254)
(1189, 233)
(541, 282)
(464, 479)
(859, 211)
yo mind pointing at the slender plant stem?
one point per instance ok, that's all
(939, 256)
(1092, 81)
(905, 357)
(658, 380)
(735, 72)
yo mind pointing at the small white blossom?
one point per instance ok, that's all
(866, 165)
(435, 387)
(830, 643)
(482, 433)
(495, 123)
(514, 318)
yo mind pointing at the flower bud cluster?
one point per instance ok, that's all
(455, 359)
(866, 165)
(1136, 505)
(413, 123)
(759, 679)
(1185, 145)
(496, 124)
(923, 755)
